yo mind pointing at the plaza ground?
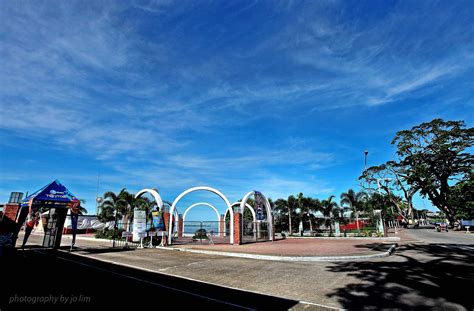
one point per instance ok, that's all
(424, 273)
(299, 247)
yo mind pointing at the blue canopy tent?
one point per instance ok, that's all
(54, 194)
(56, 199)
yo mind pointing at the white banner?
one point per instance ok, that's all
(139, 225)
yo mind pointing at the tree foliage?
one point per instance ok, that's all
(436, 158)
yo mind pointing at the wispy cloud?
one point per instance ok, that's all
(175, 93)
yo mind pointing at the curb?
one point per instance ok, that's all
(391, 239)
(288, 258)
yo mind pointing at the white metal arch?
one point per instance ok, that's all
(176, 214)
(254, 216)
(202, 203)
(155, 195)
(196, 204)
(267, 208)
(203, 188)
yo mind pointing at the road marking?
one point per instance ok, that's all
(149, 282)
(199, 281)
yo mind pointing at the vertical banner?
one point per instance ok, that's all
(75, 205)
(259, 206)
(31, 221)
(139, 225)
(158, 222)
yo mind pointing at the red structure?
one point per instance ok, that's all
(353, 225)
(237, 226)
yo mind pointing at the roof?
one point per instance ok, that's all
(53, 192)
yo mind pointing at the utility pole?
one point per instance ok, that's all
(366, 152)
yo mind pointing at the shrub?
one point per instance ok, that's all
(200, 234)
(109, 234)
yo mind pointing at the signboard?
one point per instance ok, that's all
(126, 234)
(259, 206)
(158, 222)
(139, 224)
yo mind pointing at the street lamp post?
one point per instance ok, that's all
(366, 153)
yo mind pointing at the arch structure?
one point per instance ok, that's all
(175, 214)
(268, 209)
(154, 193)
(197, 204)
(254, 216)
(202, 203)
(159, 202)
(201, 188)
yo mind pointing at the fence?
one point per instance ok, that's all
(122, 236)
(203, 232)
(255, 232)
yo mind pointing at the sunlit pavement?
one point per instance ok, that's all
(419, 275)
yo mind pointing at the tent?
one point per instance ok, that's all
(54, 194)
(53, 198)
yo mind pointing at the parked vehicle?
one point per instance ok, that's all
(441, 226)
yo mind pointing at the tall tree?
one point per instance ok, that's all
(385, 203)
(306, 208)
(330, 211)
(436, 158)
(113, 206)
(287, 207)
(382, 179)
(353, 200)
(462, 198)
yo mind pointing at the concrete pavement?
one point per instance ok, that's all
(419, 275)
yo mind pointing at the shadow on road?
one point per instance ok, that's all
(430, 276)
(49, 279)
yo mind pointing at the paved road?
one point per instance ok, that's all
(419, 275)
(450, 238)
(58, 280)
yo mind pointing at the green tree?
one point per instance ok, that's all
(436, 159)
(114, 206)
(287, 208)
(330, 211)
(391, 178)
(354, 201)
(462, 198)
(381, 201)
(381, 179)
(306, 209)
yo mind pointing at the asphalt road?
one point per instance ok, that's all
(57, 280)
(420, 275)
(455, 238)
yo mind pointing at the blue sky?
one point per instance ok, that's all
(282, 97)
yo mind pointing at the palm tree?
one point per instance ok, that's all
(114, 206)
(330, 210)
(287, 207)
(354, 201)
(82, 210)
(385, 203)
(307, 205)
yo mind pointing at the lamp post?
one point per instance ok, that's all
(366, 153)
